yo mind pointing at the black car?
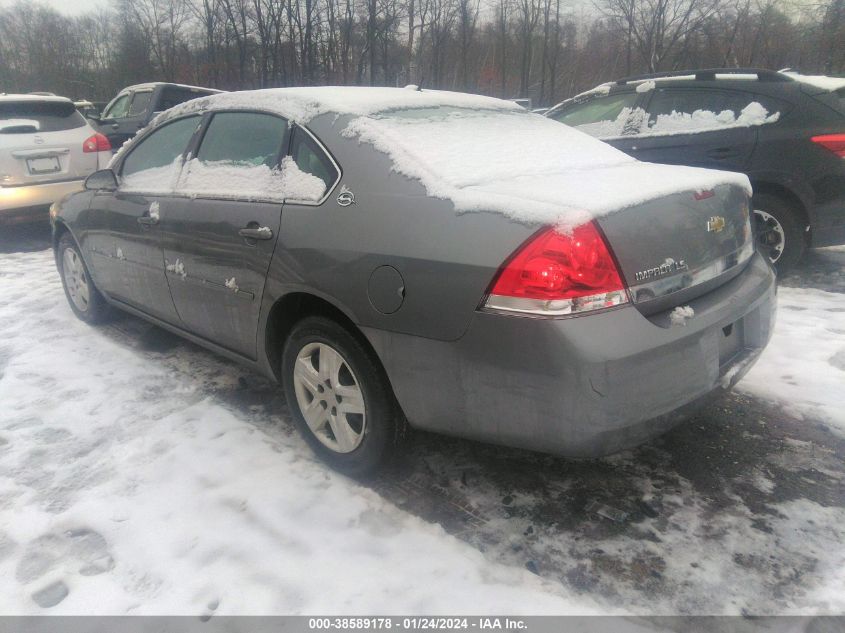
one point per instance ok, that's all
(785, 131)
(135, 106)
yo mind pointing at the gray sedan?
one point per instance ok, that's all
(451, 262)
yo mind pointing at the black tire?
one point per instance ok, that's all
(781, 232)
(94, 309)
(383, 425)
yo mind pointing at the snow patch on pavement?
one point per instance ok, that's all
(802, 368)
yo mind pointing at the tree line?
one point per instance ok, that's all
(543, 49)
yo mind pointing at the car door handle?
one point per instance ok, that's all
(147, 220)
(258, 233)
(114, 126)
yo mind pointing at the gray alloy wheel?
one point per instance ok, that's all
(82, 295)
(339, 396)
(329, 397)
(76, 280)
(771, 236)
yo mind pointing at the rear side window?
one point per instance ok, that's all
(238, 158)
(243, 138)
(171, 96)
(28, 117)
(140, 102)
(688, 111)
(154, 164)
(118, 109)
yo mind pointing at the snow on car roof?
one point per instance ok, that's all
(303, 104)
(153, 84)
(480, 153)
(30, 97)
(818, 81)
(527, 167)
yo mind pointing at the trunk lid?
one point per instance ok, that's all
(675, 248)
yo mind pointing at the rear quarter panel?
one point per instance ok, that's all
(447, 260)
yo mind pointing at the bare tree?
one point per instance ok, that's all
(656, 27)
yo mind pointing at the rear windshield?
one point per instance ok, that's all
(27, 117)
(465, 147)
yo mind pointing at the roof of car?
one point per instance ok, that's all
(153, 84)
(733, 75)
(31, 97)
(303, 104)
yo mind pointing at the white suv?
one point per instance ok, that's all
(47, 149)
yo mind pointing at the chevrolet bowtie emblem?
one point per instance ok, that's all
(715, 224)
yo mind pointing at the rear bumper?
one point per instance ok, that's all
(15, 201)
(584, 386)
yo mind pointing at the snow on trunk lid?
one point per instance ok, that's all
(675, 248)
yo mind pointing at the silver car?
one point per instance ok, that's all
(47, 149)
(447, 261)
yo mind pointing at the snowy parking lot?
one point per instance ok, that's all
(142, 474)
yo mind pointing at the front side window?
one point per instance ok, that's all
(118, 109)
(154, 164)
(140, 101)
(601, 116)
(679, 111)
(238, 157)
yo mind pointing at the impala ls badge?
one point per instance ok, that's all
(345, 197)
(668, 267)
(715, 224)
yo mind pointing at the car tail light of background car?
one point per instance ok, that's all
(834, 142)
(557, 273)
(96, 143)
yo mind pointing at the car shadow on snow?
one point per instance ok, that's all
(24, 238)
(700, 520)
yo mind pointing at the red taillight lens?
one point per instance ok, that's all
(96, 143)
(834, 142)
(557, 273)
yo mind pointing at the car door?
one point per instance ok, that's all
(130, 262)
(125, 116)
(218, 246)
(703, 127)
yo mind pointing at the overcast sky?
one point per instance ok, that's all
(68, 7)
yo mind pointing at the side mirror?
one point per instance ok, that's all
(93, 116)
(103, 180)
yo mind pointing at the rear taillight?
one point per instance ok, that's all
(557, 273)
(96, 143)
(833, 142)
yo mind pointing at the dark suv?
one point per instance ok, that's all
(784, 130)
(135, 106)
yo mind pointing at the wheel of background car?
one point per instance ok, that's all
(778, 231)
(339, 397)
(85, 300)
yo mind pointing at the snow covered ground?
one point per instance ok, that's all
(124, 488)
(140, 474)
(803, 368)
